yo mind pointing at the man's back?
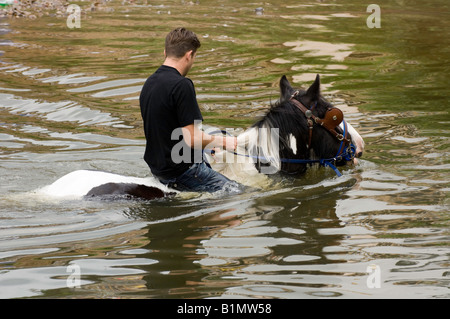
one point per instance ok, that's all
(167, 102)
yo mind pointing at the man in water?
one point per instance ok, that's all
(171, 118)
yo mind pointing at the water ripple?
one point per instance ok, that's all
(57, 111)
(107, 84)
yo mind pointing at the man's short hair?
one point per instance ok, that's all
(180, 41)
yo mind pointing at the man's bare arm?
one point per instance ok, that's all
(196, 138)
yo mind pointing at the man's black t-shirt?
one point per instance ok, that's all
(168, 102)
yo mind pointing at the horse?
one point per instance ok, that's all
(302, 128)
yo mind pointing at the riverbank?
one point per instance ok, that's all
(33, 9)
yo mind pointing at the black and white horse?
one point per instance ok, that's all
(302, 128)
(297, 131)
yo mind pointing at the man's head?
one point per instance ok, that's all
(181, 41)
(181, 46)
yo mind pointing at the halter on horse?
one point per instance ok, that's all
(333, 118)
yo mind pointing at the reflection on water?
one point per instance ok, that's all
(59, 112)
(69, 101)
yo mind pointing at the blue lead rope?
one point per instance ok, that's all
(329, 164)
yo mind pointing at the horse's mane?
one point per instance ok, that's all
(277, 130)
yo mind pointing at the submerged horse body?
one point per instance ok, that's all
(296, 131)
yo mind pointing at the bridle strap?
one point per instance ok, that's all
(309, 117)
(326, 123)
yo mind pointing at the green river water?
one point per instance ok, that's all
(69, 100)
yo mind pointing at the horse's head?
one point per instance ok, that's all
(310, 128)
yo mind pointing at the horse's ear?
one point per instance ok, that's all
(285, 88)
(313, 93)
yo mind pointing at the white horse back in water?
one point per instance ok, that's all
(78, 184)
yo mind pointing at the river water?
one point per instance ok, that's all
(69, 101)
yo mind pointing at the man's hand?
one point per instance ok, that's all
(194, 137)
(230, 143)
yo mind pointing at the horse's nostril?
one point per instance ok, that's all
(359, 154)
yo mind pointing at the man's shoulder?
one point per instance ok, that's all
(185, 83)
